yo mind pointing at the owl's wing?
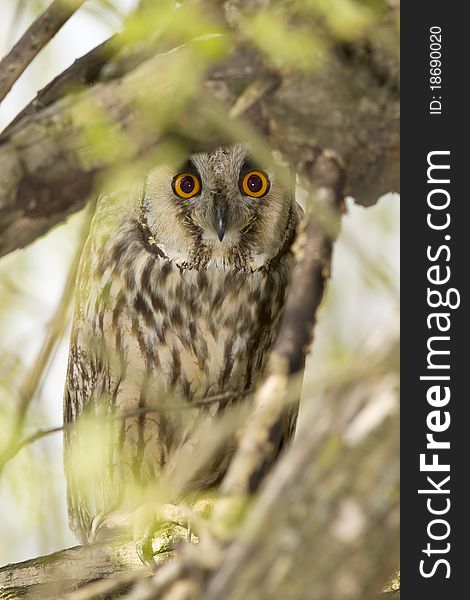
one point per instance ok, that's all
(89, 382)
(87, 434)
(79, 387)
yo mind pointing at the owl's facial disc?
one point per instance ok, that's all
(219, 208)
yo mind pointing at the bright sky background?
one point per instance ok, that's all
(356, 305)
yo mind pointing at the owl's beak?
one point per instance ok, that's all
(220, 220)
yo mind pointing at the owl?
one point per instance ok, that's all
(179, 297)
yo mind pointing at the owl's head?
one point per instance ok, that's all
(218, 208)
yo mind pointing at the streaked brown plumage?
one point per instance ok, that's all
(177, 298)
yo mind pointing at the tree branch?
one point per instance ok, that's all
(50, 576)
(40, 32)
(335, 498)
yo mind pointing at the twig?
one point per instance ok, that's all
(42, 433)
(30, 439)
(252, 94)
(33, 40)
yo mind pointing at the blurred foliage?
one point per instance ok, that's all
(364, 286)
(287, 47)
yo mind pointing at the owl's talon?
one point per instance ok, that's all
(157, 524)
(145, 552)
(145, 544)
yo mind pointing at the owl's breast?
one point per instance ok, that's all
(216, 329)
(193, 332)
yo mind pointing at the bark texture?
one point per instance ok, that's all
(33, 40)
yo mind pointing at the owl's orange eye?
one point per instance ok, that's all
(255, 184)
(186, 185)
